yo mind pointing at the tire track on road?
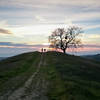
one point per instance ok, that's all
(20, 92)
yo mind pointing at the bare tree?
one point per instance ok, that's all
(65, 38)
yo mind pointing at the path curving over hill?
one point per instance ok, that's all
(33, 89)
(49, 76)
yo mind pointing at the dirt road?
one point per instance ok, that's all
(33, 89)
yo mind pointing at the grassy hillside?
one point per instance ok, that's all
(16, 70)
(73, 78)
(94, 57)
(62, 77)
(1, 58)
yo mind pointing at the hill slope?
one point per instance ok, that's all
(49, 76)
(94, 57)
(1, 58)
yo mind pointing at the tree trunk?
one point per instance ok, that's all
(64, 50)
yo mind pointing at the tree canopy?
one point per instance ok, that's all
(62, 38)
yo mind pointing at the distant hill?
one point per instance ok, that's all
(1, 58)
(49, 76)
(94, 57)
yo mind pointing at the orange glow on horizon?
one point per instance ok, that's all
(83, 49)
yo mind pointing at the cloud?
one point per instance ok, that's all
(38, 46)
(49, 7)
(92, 26)
(36, 19)
(11, 49)
(39, 3)
(85, 16)
(40, 18)
(5, 31)
(94, 36)
(21, 45)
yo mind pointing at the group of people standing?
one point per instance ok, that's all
(43, 50)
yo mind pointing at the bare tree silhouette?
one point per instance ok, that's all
(65, 38)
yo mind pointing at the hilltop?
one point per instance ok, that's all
(49, 76)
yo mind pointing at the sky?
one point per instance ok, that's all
(26, 24)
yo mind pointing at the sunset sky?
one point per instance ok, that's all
(26, 24)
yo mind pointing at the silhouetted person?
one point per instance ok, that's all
(42, 50)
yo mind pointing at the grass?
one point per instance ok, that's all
(20, 69)
(72, 78)
(67, 77)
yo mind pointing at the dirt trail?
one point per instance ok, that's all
(33, 89)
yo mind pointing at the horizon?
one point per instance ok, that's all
(25, 25)
(69, 53)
